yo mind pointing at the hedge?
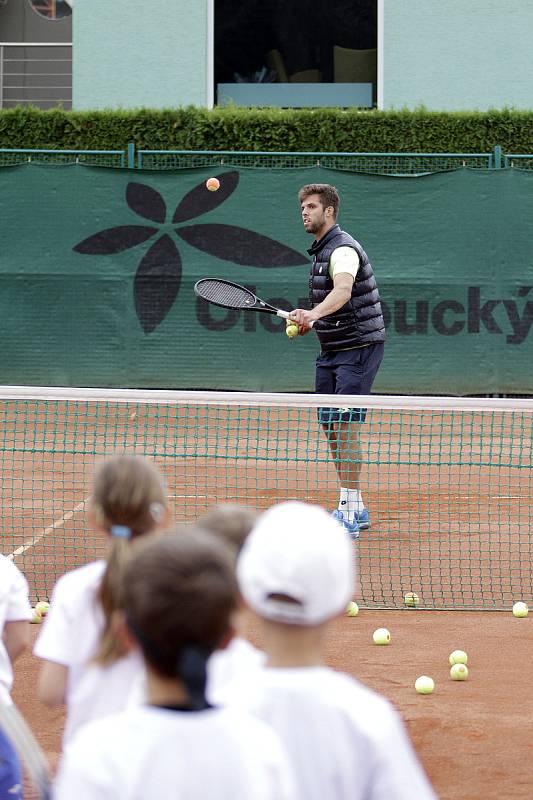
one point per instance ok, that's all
(311, 130)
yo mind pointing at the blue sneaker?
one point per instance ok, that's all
(363, 520)
(351, 528)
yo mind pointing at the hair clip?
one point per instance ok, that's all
(121, 531)
(156, 511)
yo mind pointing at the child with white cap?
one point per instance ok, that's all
(345, 742)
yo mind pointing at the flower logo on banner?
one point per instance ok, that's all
(158, 277)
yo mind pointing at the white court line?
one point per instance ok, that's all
(41, 535)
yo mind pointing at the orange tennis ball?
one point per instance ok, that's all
(213, 184)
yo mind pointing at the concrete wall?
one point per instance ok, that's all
(458, 54)
(141, 53)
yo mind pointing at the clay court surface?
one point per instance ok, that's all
(451, 500)
(474, 738)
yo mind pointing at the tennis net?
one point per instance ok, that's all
(448, 481)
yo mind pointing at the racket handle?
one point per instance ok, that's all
(286, 315)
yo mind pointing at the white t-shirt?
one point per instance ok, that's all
(238, 661)
(70, 635)
(345, 742)
(148, 753)
(343, 259)
(14, 607)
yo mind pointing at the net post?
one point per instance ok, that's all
(131, 155)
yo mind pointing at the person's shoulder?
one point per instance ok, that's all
(81, 579)
(242, 648)
(350, 693)
(9, 570)
(98, 733)
(247, 729)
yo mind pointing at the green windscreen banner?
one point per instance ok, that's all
(97, 269)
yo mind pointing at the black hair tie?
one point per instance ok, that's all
(191, 669)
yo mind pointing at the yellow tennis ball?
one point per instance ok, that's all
(213, 184)
(411, 599)
(35, 616)
(459, 672)
(352, 609)
(42, 608)
(381, 636)
(291, 331)
(520, 609)
(458, 657)
(424, 684)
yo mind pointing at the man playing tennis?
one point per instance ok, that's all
(344, 296)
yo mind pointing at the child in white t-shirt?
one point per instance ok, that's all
(85, 666)
(15, 614)
(231, 523)
(180, 591)
(345, 742)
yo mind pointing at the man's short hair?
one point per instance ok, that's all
(328, 195)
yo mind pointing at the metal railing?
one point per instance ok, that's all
(380, 163)
(36, 73)
(396, 164)
(93, 158)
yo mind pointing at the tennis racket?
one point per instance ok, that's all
(227, 294)
(18, 731)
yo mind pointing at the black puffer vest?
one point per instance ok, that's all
(360, 320)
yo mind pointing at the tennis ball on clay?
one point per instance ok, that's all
(381, 636)
(520, 609)
(411, 599)
(291, 331)
(352, 609)
(459, 672)
(458, 657)
(213, 184)
(35, 617)
(424, 684)
(42, 607)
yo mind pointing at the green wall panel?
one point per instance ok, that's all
(82, 304)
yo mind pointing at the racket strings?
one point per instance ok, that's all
(226, 294)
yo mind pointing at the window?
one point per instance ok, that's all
(290, 42)
(52, 9)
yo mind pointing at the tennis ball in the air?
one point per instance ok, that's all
(212, 184)
(352, 609)
(381, 636)
(291, 331)
(411, 599)
(459, 672)
(35, 616)
(458, 657)
(424, 684)
(520, 609)
(42, 607)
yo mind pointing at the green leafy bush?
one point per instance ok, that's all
(235, 128)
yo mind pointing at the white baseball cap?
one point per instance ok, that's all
(297, 551)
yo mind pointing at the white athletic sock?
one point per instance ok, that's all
(350, 503)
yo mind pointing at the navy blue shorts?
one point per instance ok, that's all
(347, 372)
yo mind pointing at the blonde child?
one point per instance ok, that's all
(179, 594)
(84, 664)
